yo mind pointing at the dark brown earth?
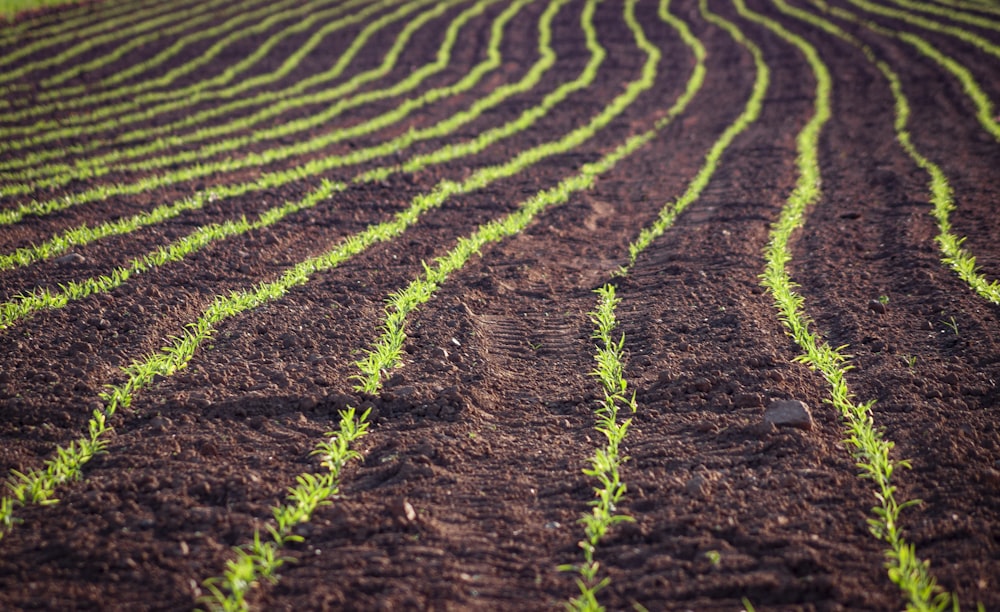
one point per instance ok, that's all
(487, 424)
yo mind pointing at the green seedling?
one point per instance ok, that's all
(605, 464)
(870, 448)
(929, 24)
(135, 96)
(122, 28)
(261, 559)
(99, 166)
(942, 196)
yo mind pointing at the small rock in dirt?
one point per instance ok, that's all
(698, 487)
(991, 476)
(403, 512)
(877, 306)
(70, 259)
(440, 353)
(789, 413)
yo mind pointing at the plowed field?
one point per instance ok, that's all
(222, 225)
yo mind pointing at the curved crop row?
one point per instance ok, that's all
(182, 97)
(97, 167)
(69, 18)
(941, 193)
(972, 5)
(285, 95)
(929, 24)
(254, 136)
(84, 234)
(606, 460)
(385, 354)
(942, 197)
(869, 446)
(233, 18)
(985, 108)
(950, 13)
(136, 31)
(119, 25)
(268, 14)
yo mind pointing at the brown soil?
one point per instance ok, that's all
(485, 428)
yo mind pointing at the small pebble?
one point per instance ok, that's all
(789, 413)
(72, 258)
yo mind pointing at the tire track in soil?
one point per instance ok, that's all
(393, 264)
(870, 243)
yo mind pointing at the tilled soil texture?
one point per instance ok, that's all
(469, 484)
